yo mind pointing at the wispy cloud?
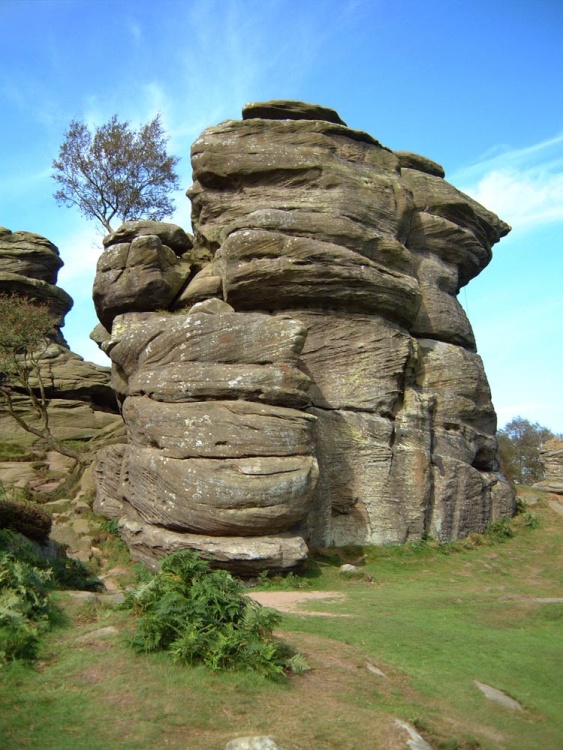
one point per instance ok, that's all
(243, 50)
(523, 186)
(524, 199)
(135, 30)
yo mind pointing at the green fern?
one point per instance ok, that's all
(26, 578)
(24, 608)
(201, 616)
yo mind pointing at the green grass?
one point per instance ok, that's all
(433, 619)
(12, 450)
(448, 616)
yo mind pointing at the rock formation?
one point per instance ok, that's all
(315, 381)
(82, 403)
(552, 459)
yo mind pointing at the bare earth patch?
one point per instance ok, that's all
(289, 601)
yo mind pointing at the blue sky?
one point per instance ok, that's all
(473, 84)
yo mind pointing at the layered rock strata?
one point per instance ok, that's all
(328, 389)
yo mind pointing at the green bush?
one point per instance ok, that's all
(201, 616)
(499, 531)
(18, 641)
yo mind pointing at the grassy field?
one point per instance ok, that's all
(434, 620)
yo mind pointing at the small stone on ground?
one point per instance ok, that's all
(416, 742)
(498, 696)
(374, 670)
(252, 743)
(85, 596)
(115, 597)
(100, 634)
(349, 570)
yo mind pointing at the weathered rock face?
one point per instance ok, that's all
(552, 460)
(82, 403)
(328, 387)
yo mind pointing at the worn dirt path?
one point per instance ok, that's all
(289, 601)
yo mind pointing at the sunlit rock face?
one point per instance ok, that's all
(317, 382)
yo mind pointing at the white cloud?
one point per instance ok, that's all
(522, 198)
(523, 186)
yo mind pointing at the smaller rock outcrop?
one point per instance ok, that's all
(220, 458)
(29, 255)
(81, 400)
(30, 520)
(552, 459)
(29, 265)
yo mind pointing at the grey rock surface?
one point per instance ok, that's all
(142, 274)
(282, 109)
(107, 476)
(241, 555)
(415, 741)
(170, 235)
(243, 497)
(218, 429)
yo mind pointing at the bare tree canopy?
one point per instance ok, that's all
(116, 172)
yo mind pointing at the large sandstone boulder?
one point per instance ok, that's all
(318, 379)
